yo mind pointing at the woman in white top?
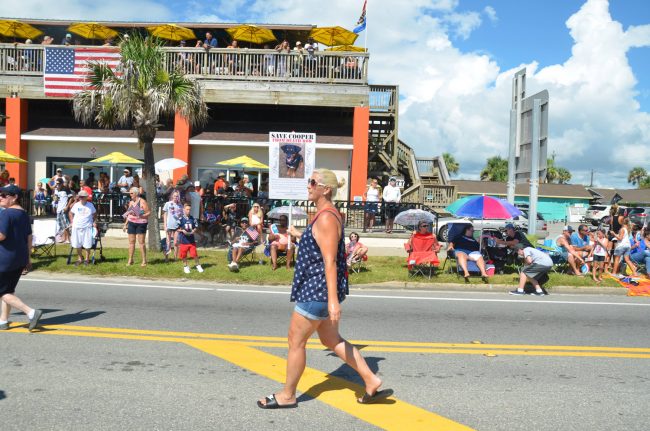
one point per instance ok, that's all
(623, 247)
(372, 198)
(256, 217)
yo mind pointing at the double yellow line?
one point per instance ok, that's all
(242, 351)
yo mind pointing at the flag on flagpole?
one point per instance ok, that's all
(361, 23)
(66, 69)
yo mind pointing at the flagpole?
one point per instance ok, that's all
(365, 37)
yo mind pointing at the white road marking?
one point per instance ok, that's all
(419, 298)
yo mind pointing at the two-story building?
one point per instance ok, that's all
(329, 98)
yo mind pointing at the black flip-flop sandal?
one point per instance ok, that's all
(272, 403)
(378, 396)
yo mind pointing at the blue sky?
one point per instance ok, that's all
(511, 39)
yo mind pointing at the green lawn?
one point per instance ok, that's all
(377, 270)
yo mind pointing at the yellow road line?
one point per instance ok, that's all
(334, 391)
(374, 344)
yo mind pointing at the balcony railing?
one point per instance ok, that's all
(264, 65)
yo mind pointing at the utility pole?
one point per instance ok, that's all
(591, 182)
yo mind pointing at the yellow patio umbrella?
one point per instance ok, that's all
(251, 33)
(9, 158)
(243, 162)
(331, 36)
(347, 48)
(116, 158)
(172, 32)
(15, 28)
(92, 30)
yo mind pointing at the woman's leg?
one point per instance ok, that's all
(300, 329)
(481, 265)
(328, 333)
(290, 256)
(630, 263)
(143, 248)
(274, 256)
(461, 258)
(131, 248)
(617, 262)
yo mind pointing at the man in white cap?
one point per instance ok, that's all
(83, 217)
(125, 183)
(67, 40)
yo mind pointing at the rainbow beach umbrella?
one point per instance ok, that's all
(487, 207)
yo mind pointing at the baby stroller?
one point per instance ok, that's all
(497, 256)
(102, 227)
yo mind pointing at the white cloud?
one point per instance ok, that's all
(491, 13)
(462, 24)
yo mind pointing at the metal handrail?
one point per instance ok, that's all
(221, 64)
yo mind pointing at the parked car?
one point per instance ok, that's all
(638, 215)
(520, 222)
(597, 214)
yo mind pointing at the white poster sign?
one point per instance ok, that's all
(291, 162)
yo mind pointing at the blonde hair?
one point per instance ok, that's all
(328, 178)
(135, 191)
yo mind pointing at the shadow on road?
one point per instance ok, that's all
(71, 317)
(344, 377)
(2, 395)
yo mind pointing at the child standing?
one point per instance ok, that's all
(599, 253)
(172, 214)
(186, 241)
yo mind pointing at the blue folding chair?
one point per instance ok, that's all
(454, 230)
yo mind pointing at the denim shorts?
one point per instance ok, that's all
(622, 250)
(312, 310)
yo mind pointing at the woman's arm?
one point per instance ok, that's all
(327, 233)
(295, 232)
(145, 208)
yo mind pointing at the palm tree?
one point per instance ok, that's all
(563, 176)
(637, 176)
(645, 183)
(452, 165)
(496, 169)
(551, 169)
(137, 98)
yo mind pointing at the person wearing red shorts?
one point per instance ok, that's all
(186, 241)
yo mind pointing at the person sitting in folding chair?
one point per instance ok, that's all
(83, 218)
(356, 253)
(278, 242)
(467, 248)
(537, 265)
(248, 240)
(422, 248)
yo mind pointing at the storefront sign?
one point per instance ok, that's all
(291, 161)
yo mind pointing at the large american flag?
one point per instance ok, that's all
(66, 68)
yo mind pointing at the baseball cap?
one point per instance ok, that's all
(520, 246)
(392, 179)
(10, 190)
(510, 226)
(59, 170)
(567, 228)
(197, 183)
(82, 193)
(127, 170)
(221, 174)
(244, 219)
(298, 43)
(68, 35)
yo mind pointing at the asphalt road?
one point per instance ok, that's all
(477, 359)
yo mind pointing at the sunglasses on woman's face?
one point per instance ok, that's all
(313, 183)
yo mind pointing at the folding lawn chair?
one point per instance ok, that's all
(250, 254)
(44, 238)
(357, 266)
(422, 258)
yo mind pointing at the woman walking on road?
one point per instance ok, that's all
(15, 247)
(320, 284)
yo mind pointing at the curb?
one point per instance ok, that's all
(410, 286)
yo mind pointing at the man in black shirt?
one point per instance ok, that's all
(514, 237)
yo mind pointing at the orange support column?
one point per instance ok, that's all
(359, 168)
(16, 125)
(182, 132)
